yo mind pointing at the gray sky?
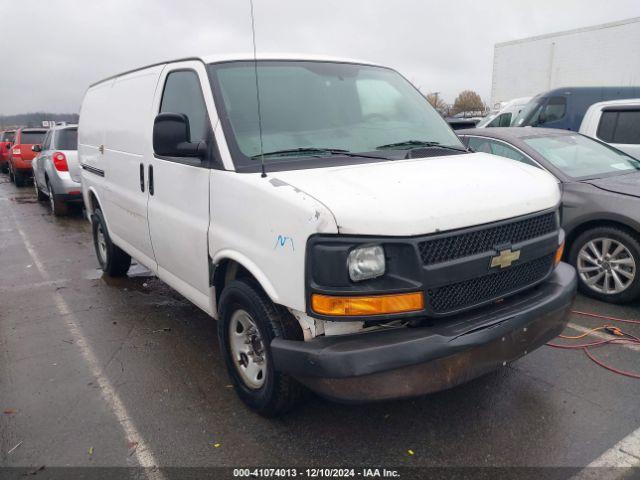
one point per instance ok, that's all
(55, 48)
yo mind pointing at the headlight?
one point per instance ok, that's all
(366, 262)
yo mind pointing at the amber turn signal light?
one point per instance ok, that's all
(559, 253)
(369, 305)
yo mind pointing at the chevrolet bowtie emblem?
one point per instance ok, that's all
(505, 259)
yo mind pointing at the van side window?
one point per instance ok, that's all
(182, 94)
(622, 126)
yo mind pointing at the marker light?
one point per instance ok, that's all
(559, 253)
(369, 305)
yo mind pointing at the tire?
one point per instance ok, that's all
(624, 267)
(114, 261)
(58, 208)
(18, 179)
(41, 196)
(5, 168)
(277, 393)
(11, 173)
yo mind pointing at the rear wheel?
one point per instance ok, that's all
(249, 321)
(114, 261)
(41, 196)
(19, 178)
(58, 208)
(608, 261)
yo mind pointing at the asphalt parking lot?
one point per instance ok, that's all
(126, 373)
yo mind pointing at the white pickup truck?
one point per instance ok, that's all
(329, 219)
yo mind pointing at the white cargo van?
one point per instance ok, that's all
(330, 220)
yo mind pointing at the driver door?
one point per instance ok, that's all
(178, 208)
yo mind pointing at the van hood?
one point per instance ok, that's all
(628, 184)
(427, 195)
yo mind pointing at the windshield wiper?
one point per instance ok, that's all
(411, 144)
(314, 152)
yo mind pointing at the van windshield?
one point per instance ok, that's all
(529, 114)
(313, 110)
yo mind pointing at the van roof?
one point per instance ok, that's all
(603, 89)
(239, 57)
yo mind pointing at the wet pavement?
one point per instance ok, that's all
(127, 372)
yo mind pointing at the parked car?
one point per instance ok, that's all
(600, 202)
(616, 122)
(505, 115)
(460, 123)
(22, 154)
(341, 234)
(6, 140)
(564, 108)
(56, 173)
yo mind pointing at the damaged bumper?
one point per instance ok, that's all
(405, 362)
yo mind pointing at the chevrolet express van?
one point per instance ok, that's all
(325, 214)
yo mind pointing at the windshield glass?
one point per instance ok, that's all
(32, 137)
(320, 105)
(487, 120)
(67, 139)
(580, 157)
(529, 114)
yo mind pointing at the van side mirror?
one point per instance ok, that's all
(8, 146)
(36, 148)
(172, 138)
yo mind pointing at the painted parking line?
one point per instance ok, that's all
(615, 463)
(143, 454)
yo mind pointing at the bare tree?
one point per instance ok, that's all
(468, 101)
(436, 102)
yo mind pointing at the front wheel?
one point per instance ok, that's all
(114, 261)
(249, 321)
(607, 260)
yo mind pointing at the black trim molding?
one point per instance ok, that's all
(94, 170)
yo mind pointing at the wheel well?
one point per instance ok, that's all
(93, 202)
(580, 229)
(226, 271)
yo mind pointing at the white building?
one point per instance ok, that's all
(606, 55)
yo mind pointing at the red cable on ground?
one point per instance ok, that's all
(630, 339)
(609, 367)
(605, 317)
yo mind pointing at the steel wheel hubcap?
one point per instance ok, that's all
(102, 244)
(247, 349)
(606, 266)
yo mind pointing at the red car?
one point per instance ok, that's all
(21, 154)
(6, 140)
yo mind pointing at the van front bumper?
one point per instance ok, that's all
(405, 362)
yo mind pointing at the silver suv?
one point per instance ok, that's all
(56, 173)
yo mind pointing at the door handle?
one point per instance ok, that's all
(150, 179)
(141, 177)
